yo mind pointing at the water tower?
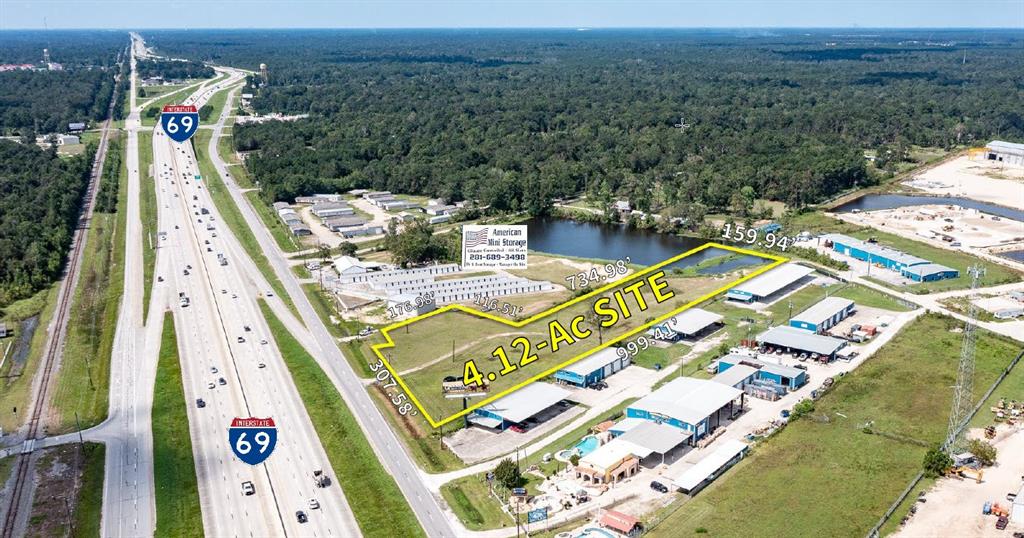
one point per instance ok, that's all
(46, 56)
(263, 72)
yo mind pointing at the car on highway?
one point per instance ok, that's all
(211, 385)
(247, 328)
(248, 488)
(270, 294)
(314, 504)
(200, 403)
(241, 340)
(261, 365)
(301, 516)
(222, 381)
(263, 342)
(213, 369)
(186, 272)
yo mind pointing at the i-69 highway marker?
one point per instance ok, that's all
(252, 439)
(180, 122)
(648, 289)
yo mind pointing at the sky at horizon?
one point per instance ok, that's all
(225, 14)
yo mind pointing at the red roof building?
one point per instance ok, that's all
(624, 523)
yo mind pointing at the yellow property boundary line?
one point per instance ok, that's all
(777, 260)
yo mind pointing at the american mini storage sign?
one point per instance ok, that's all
(494, 246)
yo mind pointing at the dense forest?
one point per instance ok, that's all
(40, 194)
(682, 121)
(172, 69)
(43, 101)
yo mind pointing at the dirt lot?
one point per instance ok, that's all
(977, 179)
(953, 507)
(970, 227)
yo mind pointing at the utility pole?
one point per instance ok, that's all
(78, 424)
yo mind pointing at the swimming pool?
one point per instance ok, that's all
(587, 445)
(591, 532)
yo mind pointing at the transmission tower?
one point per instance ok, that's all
(963, 399)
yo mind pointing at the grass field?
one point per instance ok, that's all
(378, 505)
(14, 391)
(90, 497)
(174, 470)
(233, 217)
(995, 274)
(423, 351)
(84, 376)
(843, 465)
(147, 212)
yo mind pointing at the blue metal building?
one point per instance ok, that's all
(908, 265)
(585, 372)
(777, 374)
(823, 315)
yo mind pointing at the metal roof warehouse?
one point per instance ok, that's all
(590, 370)
(695, 478)
(796, 339)
(687, 323)
(769, 283)
(518, 406)
(687, 403)
(823, 315)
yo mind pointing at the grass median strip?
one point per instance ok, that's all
(379, 507)
(174, 470)
(147, 212)
(234, 219)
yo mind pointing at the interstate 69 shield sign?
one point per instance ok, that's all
(252, 439)
(180, 122)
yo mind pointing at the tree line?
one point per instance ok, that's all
(40, 197)
(172, 69)
(684, 122)
(42, 101)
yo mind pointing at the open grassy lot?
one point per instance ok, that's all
(147, 212)
(15, 389)
(233, 217)
(377, 504)
(841, 467)
(425, 352)
(174, 470)
(994, 275)
(83, 382)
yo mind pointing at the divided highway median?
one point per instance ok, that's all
(456, 350)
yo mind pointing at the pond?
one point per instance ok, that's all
(617, 241)
(873, 202)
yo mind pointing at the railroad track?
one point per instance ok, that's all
(55, 343)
